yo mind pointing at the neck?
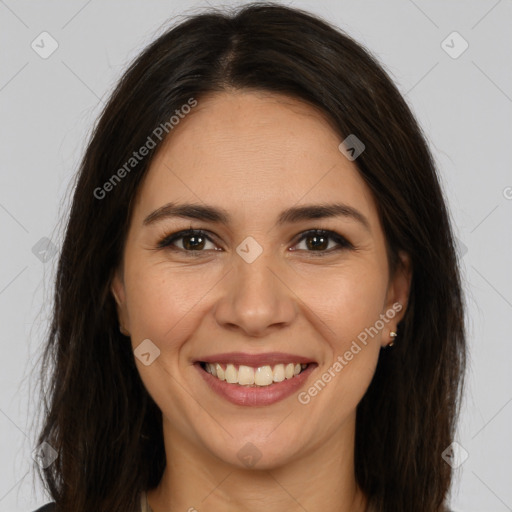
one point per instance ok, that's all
(322, 479)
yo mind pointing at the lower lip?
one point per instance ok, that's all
(256, 396)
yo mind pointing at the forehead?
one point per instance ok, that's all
(254, 153)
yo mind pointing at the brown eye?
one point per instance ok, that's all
(318, 240)
(191, 240)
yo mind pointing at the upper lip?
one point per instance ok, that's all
(255, 360)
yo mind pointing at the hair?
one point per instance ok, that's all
(98, 415)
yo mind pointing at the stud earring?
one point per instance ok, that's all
(393, 335)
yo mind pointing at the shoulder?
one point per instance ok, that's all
(50, 507)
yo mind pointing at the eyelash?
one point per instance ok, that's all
(168, 240)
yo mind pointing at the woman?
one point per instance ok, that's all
(258, 303)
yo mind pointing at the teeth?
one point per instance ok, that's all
(248, 376)
(231, 374)
(278, 373)
(220, 372)
(263, 376)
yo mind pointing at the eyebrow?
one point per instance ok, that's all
(288, 216)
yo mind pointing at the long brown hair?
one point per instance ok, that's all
(98, 416)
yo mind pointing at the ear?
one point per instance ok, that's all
(397, 296)
(118, 291)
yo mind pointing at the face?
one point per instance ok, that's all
(263, 289)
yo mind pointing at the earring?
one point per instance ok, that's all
(393, 335)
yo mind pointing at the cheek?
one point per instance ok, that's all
(349, 304)
(347, 300)
(163, 301)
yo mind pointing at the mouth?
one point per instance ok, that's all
(255, 380)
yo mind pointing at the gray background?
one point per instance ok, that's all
(464, 105)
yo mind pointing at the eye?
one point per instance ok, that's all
(317, 240)
(190, 240)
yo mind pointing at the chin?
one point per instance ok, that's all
(257, 452)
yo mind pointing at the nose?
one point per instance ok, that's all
(256, 299)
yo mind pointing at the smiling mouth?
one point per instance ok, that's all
(248, 376)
